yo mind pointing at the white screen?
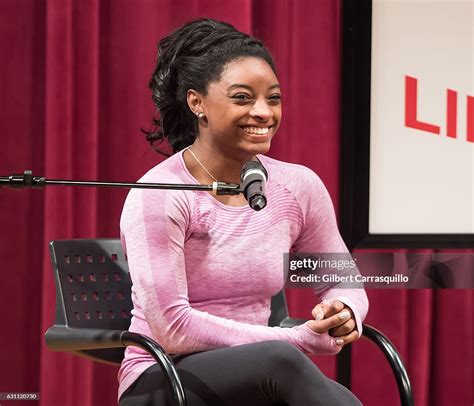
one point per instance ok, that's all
(420, 181)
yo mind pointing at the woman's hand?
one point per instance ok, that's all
(337, 319)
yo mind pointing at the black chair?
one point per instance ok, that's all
(93, 306)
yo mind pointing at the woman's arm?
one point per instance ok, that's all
(320, 235)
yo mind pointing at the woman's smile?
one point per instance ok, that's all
(256, 130)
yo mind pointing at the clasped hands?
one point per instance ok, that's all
(336, 319)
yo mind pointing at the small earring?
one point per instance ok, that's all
(200, 114)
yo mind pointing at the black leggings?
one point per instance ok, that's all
(259, 374)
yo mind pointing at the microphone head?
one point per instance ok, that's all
(253, 177)
(257, 202)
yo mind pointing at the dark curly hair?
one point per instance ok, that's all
(190, 58)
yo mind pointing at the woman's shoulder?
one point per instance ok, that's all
(170, 170)
(166, 200)
(294, 176)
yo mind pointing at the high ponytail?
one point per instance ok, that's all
(190, 58)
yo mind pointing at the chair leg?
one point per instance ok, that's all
(344, 366)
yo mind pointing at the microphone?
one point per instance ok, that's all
(253, 177)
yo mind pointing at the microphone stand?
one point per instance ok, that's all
(27, 180)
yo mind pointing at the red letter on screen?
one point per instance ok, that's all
(411, 98)
(470, 118)
(452, 113)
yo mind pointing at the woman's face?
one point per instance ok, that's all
(243, 109)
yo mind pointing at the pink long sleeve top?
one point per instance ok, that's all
(204, 273)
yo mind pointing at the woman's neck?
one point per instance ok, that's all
(206, 163)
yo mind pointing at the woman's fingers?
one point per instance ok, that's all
(324, 325)
(318, 312)
(335, 318)
(349, 338)
(325, 310)
(334, 308)
(343, 329)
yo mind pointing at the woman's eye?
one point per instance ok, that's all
(241, 97)
(275, 97)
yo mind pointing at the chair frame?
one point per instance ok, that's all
(85, 337)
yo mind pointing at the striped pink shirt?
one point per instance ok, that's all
(204, 273)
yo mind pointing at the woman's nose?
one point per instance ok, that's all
(262, 110)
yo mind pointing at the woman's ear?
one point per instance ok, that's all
(195, 101)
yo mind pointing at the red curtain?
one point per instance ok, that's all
(73, 99)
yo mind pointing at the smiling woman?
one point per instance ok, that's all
(246, 97)
(240, 115)
(204, 267)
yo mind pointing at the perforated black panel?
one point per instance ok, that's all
(93, 285)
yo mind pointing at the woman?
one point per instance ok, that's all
(205, 267)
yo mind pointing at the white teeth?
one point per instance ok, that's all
(256, 130)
